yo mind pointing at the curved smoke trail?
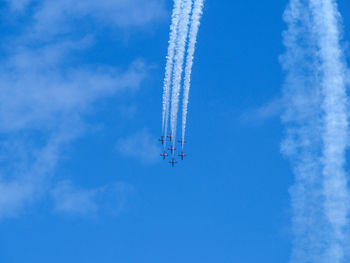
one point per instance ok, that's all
(178, 67)
(169, 64)
(317, 128)
(195, 23)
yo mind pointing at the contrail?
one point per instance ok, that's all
(336, 123)
(317, 128)
(179, 61)
(169, 64)
(195, 23)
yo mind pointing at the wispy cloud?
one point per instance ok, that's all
(142, 146)
(73, 201)
(51, 16)
(46, 92)
(26, 168)
(270, 110)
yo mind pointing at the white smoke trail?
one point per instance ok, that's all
(195, 23)
(178, 67)
(169, 64)
(317, 130)
(335, 131)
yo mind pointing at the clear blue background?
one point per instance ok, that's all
(228, 202)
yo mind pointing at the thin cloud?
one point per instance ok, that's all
(27, 169)
(270, 110)
(73, 201)
(19, 5)
(141, 146)
(45, 99)
(52, 17)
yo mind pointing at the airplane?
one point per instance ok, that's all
(173, 162)
(181, 141)
(172, 150)
(162, 139)
(182, 155)
(164, 155)
(170, 137)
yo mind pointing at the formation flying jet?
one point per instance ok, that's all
(162, 139)
(172, 150)
(164, 155)
(173, 162)
(182, 155)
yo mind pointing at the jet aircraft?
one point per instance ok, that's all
(173, 162)
(172, 150)
(164, 155)
(162, 139)
(182, 155)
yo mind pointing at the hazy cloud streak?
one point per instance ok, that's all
(71, 200)
(141, 146)
(47, 91)
(317, 128)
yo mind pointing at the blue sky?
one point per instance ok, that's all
(80, 115)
